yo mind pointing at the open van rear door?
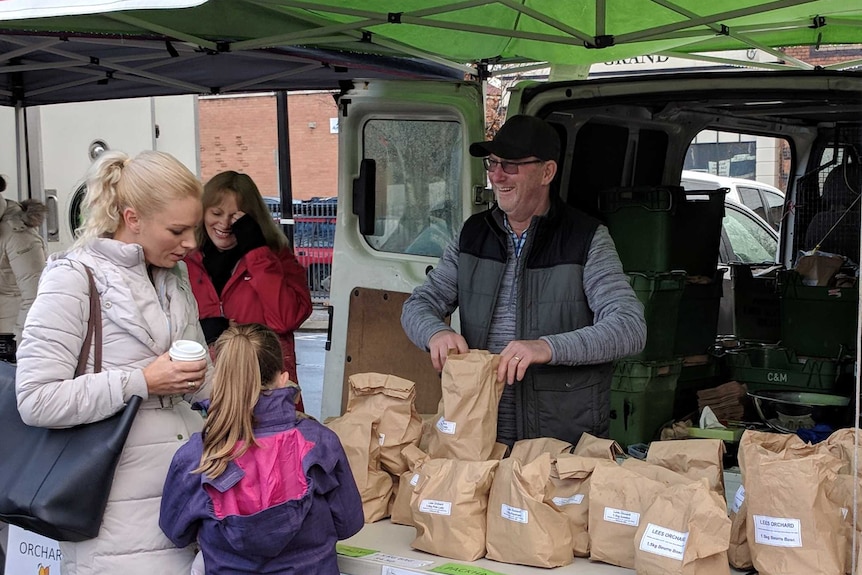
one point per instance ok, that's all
(406, 183)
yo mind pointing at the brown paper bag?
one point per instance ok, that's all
(466, 427)
(526, 450)
(450, 507)
(592, 446)
(738, 553)
(791, 524)
(755, 447)
(682, 531)
(392, 400)
(840, 492)
(400, 511)
(358, 435)
(693, 458)
(655, 472)
(842, 444)
(618, 498)
(570, 480)
(522, 527)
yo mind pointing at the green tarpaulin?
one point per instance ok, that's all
(288, 44)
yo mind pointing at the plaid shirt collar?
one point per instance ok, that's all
(517, 241)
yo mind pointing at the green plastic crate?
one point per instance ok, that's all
(817, 321)
(660, 293)
(696, 231)
(756, 305)
(640, 221)
(762, 367)
(697, 322)
(642, 396)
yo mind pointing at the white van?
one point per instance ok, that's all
(765, 200)
(407, 181)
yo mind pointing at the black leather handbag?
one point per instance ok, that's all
(55, 482)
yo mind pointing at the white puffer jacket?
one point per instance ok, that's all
(22, 258)
(140, 320)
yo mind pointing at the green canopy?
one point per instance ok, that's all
(220, 46)
(589, 31)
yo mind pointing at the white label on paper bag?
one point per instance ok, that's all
(622, 516)
(663, 541)
(414, 480)
(777, 531)
(514, 514)
(381, 438)
(435, 507)
(738, 499)
(576, 499)
(447, 427)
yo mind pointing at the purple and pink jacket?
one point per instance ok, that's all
(279, 508)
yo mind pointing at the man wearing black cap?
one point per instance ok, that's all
(539, 283)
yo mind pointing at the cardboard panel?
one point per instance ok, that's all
(376, 343)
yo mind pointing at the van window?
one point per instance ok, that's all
(419, 174)
(750, 197)
(740, 155)
(751, 243)
(774, 208)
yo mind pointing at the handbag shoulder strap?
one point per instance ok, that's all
(94, 327)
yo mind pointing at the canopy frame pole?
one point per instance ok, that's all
(733, 34)
(163, 30)
(601, 17)
(240, 85)
(353, 35)
(656, 33)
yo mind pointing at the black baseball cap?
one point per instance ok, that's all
(521, 137)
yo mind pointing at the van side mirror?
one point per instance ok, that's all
(364, 195)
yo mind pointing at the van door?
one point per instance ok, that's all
(406, 183)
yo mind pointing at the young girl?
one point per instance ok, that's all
(260, 490)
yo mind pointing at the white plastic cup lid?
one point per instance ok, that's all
(187, 350)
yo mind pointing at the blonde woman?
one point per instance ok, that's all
(140, 216)
(261, 490)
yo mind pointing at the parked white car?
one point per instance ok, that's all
(764, 200)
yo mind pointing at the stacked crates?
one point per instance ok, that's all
(766, 366)
(793, 336)
(668, 243)
(756, 308)
(642, 397)
(818, 321)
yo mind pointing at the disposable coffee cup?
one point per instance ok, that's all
(187, 350)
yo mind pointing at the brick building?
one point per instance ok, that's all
(240, 133)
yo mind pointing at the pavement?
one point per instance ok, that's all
(318, 320)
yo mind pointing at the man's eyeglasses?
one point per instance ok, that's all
(508, 167)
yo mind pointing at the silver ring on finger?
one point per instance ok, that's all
(191, 384)
(517, 358)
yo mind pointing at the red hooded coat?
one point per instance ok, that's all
(265, 287)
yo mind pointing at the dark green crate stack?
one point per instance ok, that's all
(772, 367)
(756, 305)
(660, 294)
(640, 220)
(697, 321)
(664, 237)
(817, 321)
(642, 396)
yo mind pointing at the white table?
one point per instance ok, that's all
(395, 557)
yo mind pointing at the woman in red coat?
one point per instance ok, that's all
(244, 270)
